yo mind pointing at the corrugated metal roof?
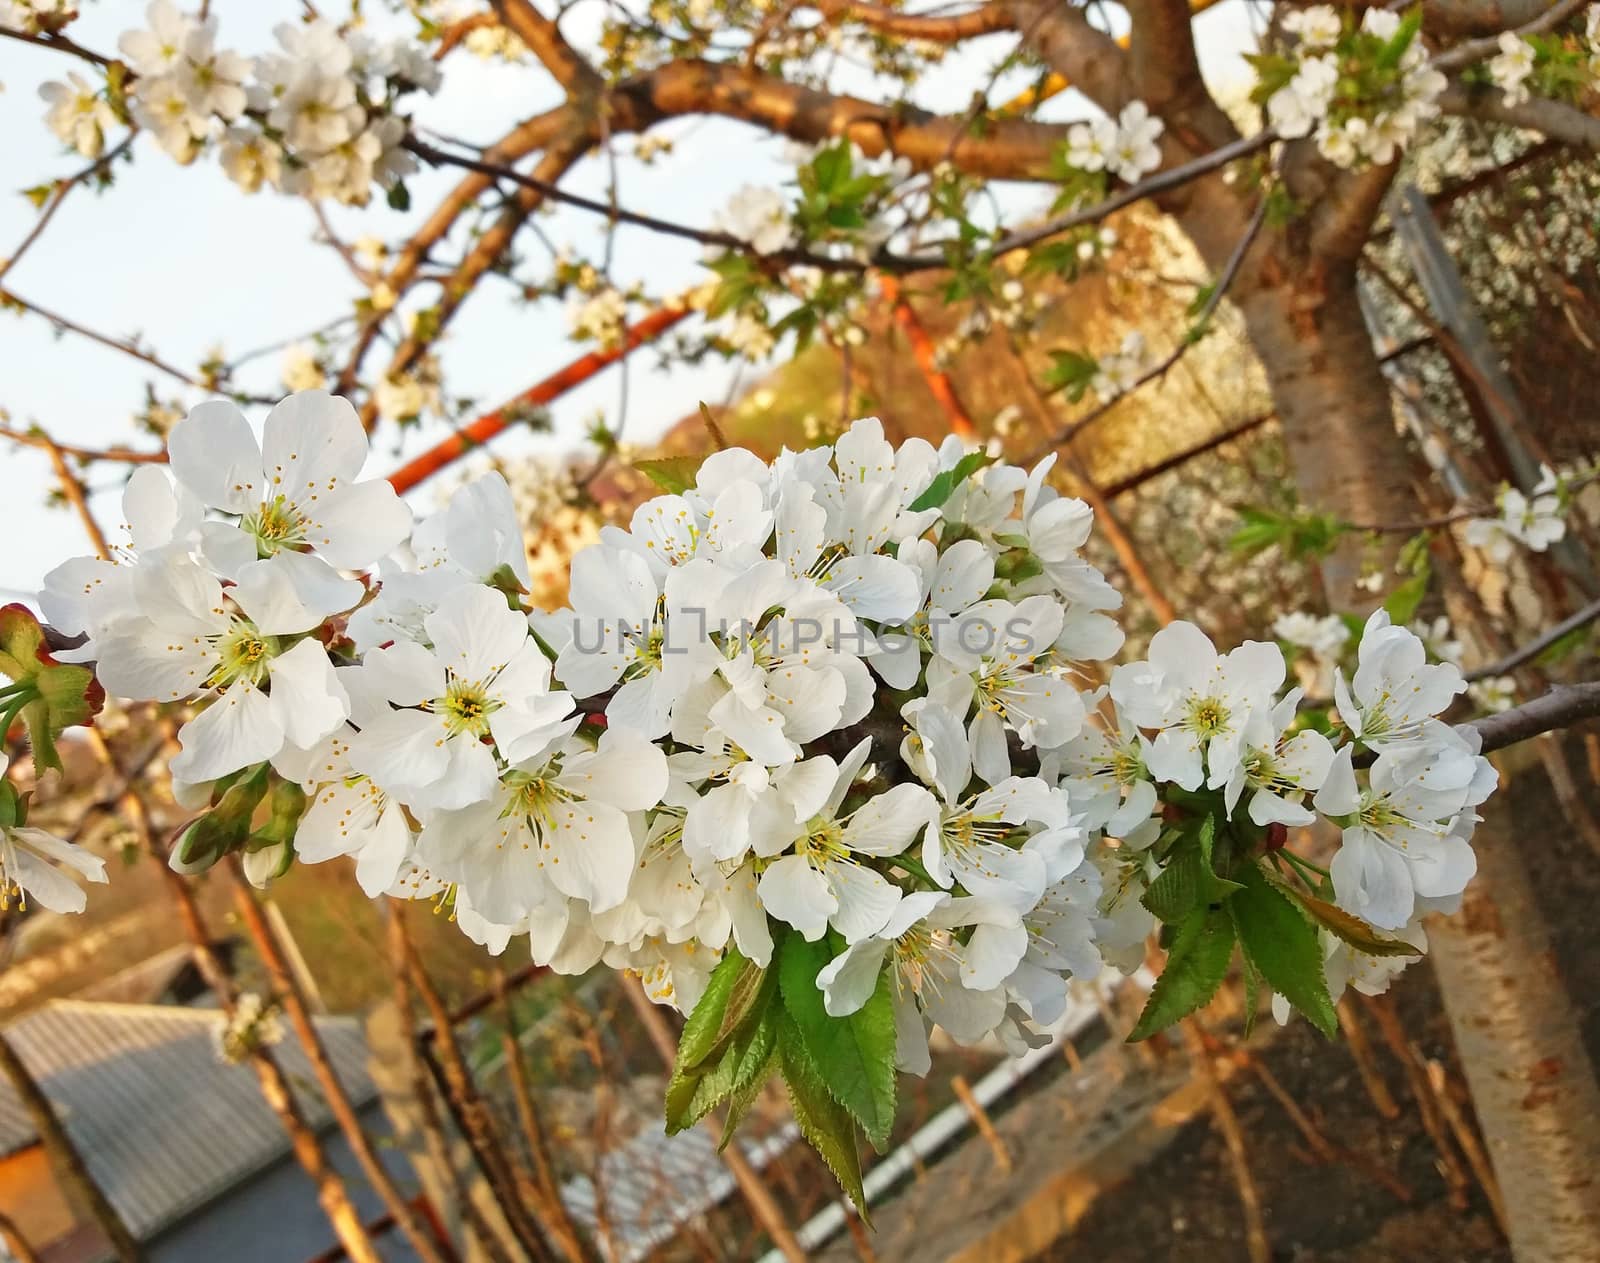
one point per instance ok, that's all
(164, 1126)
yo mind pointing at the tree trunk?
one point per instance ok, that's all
(1532, 1084)
(65, 1158)
(1333, 402)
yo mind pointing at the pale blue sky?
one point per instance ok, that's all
(180, 256)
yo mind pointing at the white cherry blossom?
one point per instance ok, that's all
(294, 490)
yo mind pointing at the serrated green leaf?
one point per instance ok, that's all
(1173, 895)
(1252, 995)
(824, 1123)
(1188, 882)
(692, 1094)
(944, 484)
(704, 1023)
(854, 1054)
(1344, 925)
(1281, 941)
(1195, 968)
(673, 474)
(742, 1098)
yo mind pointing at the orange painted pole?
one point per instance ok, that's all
(922, 351)
(424, 466)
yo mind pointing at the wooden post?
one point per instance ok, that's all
(331, 1193)
(287, 987)
(982, 1121)
(64, 1156)
(561, 1225)
(488, 1236)
(757, 1196)
(438, 1048)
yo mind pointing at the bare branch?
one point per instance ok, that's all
(1553, 119)
(545, 41)
(1528, 652)
(1475, 50)
(125, 346)
(986, 19)
(59, 195)
(1563, 706)
(122, 455)
(1229, 272)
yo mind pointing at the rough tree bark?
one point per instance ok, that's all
(1533, 1085)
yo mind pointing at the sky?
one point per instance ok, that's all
(182, 258)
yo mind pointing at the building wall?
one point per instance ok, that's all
(275, 1217)
(31, 1198)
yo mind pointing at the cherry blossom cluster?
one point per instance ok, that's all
(253, 1024)
(1127, 146)
(1534, 520)
(1558, 67)
(1364, 92)
(315, 117)
(856, 695)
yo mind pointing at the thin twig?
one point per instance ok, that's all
(59, 195)
(1230, 272)
(1472, 50)
(1528, 652)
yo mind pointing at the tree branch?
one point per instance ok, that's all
(1563, 706)
(1229, 272)
(986, 19)
(545, 41)
(1553, 119)
(1475, 50)
(1528, 652)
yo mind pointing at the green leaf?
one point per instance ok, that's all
(823, 1121)
(944, 484)
(673, 474)
(704, 1023)
(1252, 995)
(742, 1098)
(854, 1054)
(1195, 968)
(693, 1092)
(1281, 941)
(1188, 882)
(399, 196)
(1402, 602)
(1344, 925)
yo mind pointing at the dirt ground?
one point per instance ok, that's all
(1184, 1205)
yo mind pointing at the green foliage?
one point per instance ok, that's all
(944, 484)
(1281, 942)
(1344, 925)
(1071, 371)
(835, 200)
(822, 1120)
(855, 1054)
(727, 1044)
(840, 1071)
(673, 474)
(1300, 536)
(1188, 883)
(1196, 965)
